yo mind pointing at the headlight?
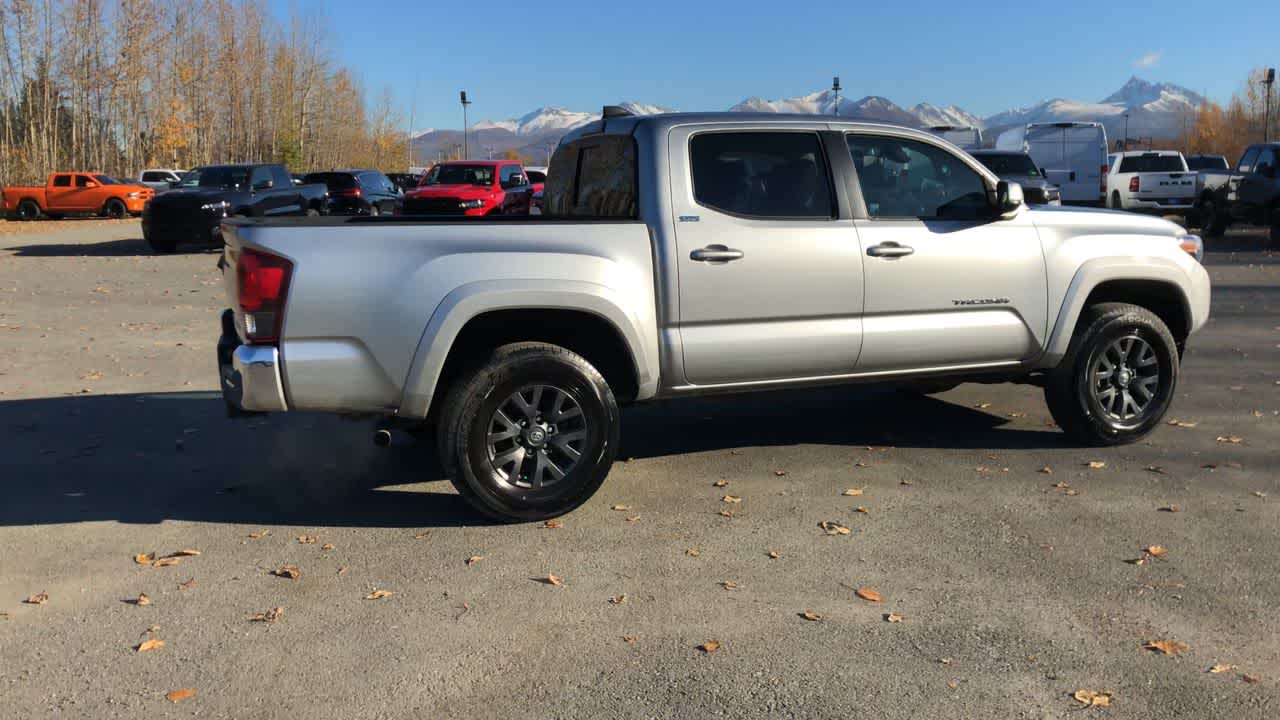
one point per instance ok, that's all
(1194, 246)
(471, 204)
(133, 195)
(220, 206)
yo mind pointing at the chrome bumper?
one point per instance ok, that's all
(250, 378)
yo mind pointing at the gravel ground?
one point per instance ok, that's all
(1005, 555)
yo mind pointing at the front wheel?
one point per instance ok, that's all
(1118, 377)
(115, 209)
(530, 434)
(1212, 221)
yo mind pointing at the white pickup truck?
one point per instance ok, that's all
(1155, 181)
(696, 253)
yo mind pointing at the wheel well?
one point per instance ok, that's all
(1161, 298)
(584, 333)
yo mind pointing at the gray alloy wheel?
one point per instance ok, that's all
(1124, 380)
(536, 436)
(28, 210)
(115, 209)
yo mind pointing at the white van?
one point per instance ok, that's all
(965, 137)
(1071, 155)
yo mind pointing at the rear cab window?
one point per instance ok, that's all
(593, 177)
(762, 174)
(1151, 163)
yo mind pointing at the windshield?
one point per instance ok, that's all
(459, 175)
(333, 181)
(106, 180)
(1152, 163)
(217, 176)
(1012, 164)
(1207, 162)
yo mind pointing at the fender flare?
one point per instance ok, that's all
(1095, 272)
(471, 300)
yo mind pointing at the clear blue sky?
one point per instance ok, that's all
(514, 56)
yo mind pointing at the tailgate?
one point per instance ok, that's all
(1158, 186)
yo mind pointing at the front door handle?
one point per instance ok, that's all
(715, 253)
(889, 249)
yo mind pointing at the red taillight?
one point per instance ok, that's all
(1103, 181)
(1133, 184)
(354, 192)
(262, 283)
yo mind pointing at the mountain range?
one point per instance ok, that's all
(1156, 110)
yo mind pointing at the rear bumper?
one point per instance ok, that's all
(1158, 205)
(249, 374)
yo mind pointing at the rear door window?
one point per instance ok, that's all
(761, 174)
(593, 176)
(62, 181)
(82, 181)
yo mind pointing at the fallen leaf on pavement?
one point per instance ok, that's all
(983, 405)
(179, 695)
(1221, 668)
(166, 561)
(343, 570)
(1061, 485)
(983, 469)
(187, 585)
(142, 599)
(868, 594)
(1171, 508)
(891, 617)
(378, 595)
(186, 552)
(778, 473)
(1093, 698)
(709, 646)
(1157, 551)
(259, 535)
(152, 629)
(307, 539)
(726, 513)
(1138, 561)
(1230, 439)
(853, 492)
(862, 509)
(630, 639)
(775, 554)
(1165, 647)
(269, 616)
(693, 552)
(553, 524)
(1095, 464)
(422, 535)
(720, 483)
(327, 546)
(620, 507)
(731, 499)
(1259, 493)
(1251, 679)
(1046, 470)
(288, 571)
(1016, 414)
(152, 644)
(905, 482)
(1182, 423)
(729, 585)
(618, 599)
(37, 599)
(1155, 469)
(1236, 388)
(474, 559)
(554, 580)
(811, 616)
(831, 528)
(632, 518)
(144, 558)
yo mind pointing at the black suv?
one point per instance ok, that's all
(1249, 194)
(359, 192)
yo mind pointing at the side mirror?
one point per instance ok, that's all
(1008, 197)
(263, 185)
(91, 184)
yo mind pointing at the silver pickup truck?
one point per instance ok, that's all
(697, 253)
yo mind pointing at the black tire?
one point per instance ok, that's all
(1212, 221)
(1275, 229)
(1115, 201)
(115, 209)
(1072, 399)
(471, 409)
(27, 210)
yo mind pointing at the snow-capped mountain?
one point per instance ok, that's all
(538, 121)
(824, 103)
(1154, 109)
(930, 115)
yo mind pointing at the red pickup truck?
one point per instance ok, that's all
(67, 193)
(471, 187)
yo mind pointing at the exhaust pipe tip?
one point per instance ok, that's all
(382, 438)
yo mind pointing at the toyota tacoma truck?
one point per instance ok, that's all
(192, 213)
(76, 193)
(1249, 194)
(686, 254)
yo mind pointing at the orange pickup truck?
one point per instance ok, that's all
(69, 193)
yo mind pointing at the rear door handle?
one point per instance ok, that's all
(889, 249)
(715, 253)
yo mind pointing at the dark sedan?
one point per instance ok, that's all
(1020, 168)
(359, 192)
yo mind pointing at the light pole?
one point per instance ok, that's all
(835, 87)
(466, 150)
(1268, 79)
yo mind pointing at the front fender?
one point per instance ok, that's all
(634, 324)
(1188, 278)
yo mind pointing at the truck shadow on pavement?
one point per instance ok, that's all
(175, 456)
(107, 248)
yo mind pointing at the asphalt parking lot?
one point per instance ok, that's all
(1007, 562)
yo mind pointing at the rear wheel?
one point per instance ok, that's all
(1275, 228)
(312, 212)
(115, 209)
(1115, 201)
(1118, 376)
(27, 210)
(530, 434)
